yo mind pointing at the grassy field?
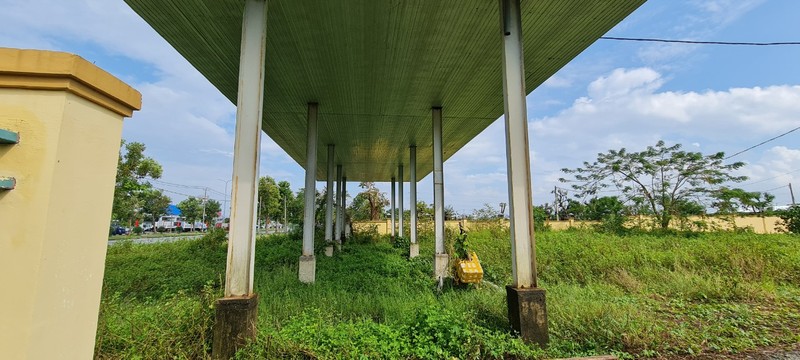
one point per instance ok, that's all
(634, 296)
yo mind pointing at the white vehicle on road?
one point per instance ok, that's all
(200, 226)
(170, 223)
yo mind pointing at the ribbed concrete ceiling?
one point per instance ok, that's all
(376, 67)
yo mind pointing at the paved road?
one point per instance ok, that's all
(191, 235)
(153, 240)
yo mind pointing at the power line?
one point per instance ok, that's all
(187, 195)
(773, 189)
(762, 143)
(774, 177)
(186, 186)
(739, 43)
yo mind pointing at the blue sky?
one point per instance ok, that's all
(615, 94)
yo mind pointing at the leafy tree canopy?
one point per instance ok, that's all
(661, 177)
(133, 196)
(731, 201)
(191, 209)
(369, 203)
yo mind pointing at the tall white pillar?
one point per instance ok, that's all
(308, 262)
(523, 253)
(338, 233)
(236, 314)
(527, 310)
(392, 206)
(329, 197)
(412, 184)
(344, 207)
(441, 259)
(400, 199)
(241, 247)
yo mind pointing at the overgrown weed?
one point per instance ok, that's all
(636, 295)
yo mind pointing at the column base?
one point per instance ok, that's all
(413, 251)
(234, 325)
(308, 269)
(527, 314)
(441, 268)
(329, 250)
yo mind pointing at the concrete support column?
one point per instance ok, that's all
(441, 258)
(308, 263)
(526, 303)
(392, 206)
(233, 326)
(338, 233)
(400, 199)
(412, 184)
(329, 204)
(344, 207)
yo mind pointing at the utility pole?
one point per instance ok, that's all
(555, 202)
(205, 198)
(791, 192)
(285, 224)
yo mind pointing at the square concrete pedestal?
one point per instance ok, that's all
(329, 250)
(527, 314)
(413, 251)
(234, 325)
(441, 267)
(308, 269)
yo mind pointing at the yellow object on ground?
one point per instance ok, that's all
(470, 270)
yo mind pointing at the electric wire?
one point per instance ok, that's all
(762, 143)
(767, 179)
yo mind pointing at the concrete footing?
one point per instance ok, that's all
(413, 251)
(234, 325)
(527, 314)
(441, 267)
(329, 250)
(308, 269)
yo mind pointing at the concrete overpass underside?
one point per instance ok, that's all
(360, 90)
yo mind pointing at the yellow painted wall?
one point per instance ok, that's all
(54, 224)
(759, 225)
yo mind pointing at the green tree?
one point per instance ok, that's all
(731, 201)
(191, 209)
(790, 220)
(359, 208)
(603, 207)
(487, 212)
(375, 199)
(132, 168)
(153, 204)
(213, 207)
(286, 199)
(661, 176)
(269, 199)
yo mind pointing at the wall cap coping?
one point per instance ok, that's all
(55, 70)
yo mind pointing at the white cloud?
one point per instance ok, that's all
(627, 109)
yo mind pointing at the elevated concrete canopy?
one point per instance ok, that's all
(376, 67)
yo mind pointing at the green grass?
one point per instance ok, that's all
(634, 296)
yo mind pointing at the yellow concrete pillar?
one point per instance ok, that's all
(54, 224)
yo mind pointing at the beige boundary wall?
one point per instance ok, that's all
(759, 225)
(54, 224)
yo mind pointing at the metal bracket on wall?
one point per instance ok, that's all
(8, 137)
(7, 183)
